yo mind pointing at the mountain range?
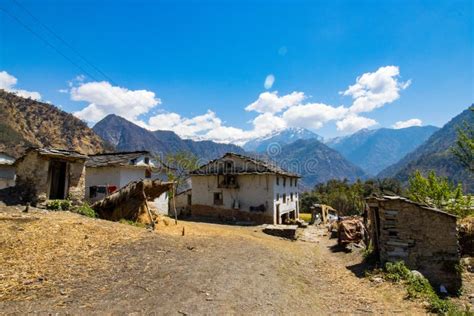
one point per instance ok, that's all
(280, 138)
(26, 122)
(316, 162)
(375, 150)
(435, 154)
(127, 136)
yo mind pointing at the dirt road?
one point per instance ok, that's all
(97, 267)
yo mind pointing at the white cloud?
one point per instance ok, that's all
(266, 123)
(273, 112)
(106, 99)
(312, 115)
(407, 123)
(269, 80)
(352, 123)
(270, 102)
(375, 89)
(8, 83)
(206, 127)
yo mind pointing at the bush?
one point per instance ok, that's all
(86, 210)
(59, 205)
(420, 288)
(397, 271)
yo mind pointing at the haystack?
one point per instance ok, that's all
(130, 202)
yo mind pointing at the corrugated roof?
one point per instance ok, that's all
(115, 159)
(403, 199)
(259, 167)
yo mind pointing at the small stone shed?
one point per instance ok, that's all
(47, 174)
(424, 238)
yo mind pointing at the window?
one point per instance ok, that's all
(278, 197)
(278, 180)
(291, 182)
(284, 182)
(189, 199)
(133, 162)
(296, 179)
(291, 197)
(147, 160)
(230, 180)
(284, 198)
(218, 199)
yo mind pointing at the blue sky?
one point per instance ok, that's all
(195, 66)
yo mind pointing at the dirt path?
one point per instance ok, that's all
(213, 269)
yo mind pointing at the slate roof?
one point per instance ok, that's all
(6, 159)
(60, 153)
(256, 166)
(403, 199)
(115, 159)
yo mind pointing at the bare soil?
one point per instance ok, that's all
(58, 262)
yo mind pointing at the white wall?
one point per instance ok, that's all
(280, 189)
(120, 177)
(253, 190)
(161, 204)
(128, 175)
(102, 176)
(7, 176)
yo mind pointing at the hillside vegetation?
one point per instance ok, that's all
(437, 154)
(27, 122)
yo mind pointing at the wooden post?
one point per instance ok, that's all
(148, 211)
(174, 205)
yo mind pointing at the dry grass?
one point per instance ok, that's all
(41, 251)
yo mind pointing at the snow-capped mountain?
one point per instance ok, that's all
(281, 138)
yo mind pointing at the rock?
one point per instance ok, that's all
(285, 231)
(376, 280)
(417, 274)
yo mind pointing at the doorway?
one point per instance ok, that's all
(57, 171)
(278, 219)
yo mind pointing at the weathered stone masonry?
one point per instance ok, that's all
(424, 238)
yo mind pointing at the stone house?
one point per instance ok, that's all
(237, 187)
(108, 172)
(7, 171)
(424, 238)
(47, 174)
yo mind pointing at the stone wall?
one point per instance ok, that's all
(77, 181)
(32, 176)
(425, 239)
(230, 214)
(34, 179)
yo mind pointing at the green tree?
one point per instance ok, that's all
(464, 148)
(178, 166)
(438, 192)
